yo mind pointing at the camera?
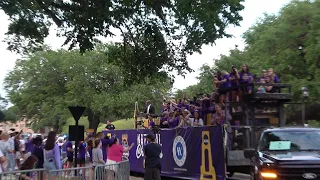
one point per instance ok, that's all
(233, 67)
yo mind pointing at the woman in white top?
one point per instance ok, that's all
(197, 121)
(2, 162)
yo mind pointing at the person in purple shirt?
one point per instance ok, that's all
(264, 75)
(274, 77)
(106, 141)
(29, 144)
(89, 149)
(174, 121)
(151, 122)
(37, 151)
(245, 78)
(82, 154)
(224, 87)
(69, 153)
(183, 104)
(234, 83)
(164, 121)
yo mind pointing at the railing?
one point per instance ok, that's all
(117, 171)
(34, 174)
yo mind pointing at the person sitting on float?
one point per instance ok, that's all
(197, 120)
(219, 116)
(269, 89)
(262, 89)
(164, 121)
(151, 121)
(174, 118)
(264, 75)
(273, 76)
(184, 119)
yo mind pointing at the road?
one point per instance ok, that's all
(237, 176)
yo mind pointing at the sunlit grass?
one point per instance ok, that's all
(119, 124)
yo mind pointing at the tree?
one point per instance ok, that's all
(289, 43)
(156, 34)
(45, 83)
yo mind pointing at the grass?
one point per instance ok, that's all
(119, 124)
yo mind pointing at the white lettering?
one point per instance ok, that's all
(141, 141)
(179, 151)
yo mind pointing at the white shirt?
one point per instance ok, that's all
(200, 122)
(11, 143)
(148, 109)
(22, 145)
(1, 155)
(4, 146)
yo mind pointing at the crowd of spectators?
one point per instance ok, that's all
(36, 153)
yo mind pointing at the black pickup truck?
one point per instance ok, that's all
(286, 154)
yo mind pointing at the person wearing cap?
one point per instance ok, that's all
(152, 162)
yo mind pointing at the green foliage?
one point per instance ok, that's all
(273, 42)
(314, 123)
(11, 114)
(45, 83)
(156, 34)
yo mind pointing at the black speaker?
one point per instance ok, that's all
(73, 134)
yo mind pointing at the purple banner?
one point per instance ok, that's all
(194, 152)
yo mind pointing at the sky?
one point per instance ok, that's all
(253, 10)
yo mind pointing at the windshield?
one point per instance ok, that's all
(290, 141)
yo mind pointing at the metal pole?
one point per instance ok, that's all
(76, 148)
(303, 113)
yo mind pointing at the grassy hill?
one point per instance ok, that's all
(119, 124)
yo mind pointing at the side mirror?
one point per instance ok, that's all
(250, 153)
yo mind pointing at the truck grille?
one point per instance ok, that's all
(296, 173)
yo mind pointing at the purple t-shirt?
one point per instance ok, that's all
(186, 106)
(276, 79)
(234, 82)
(163, 119)
(151, 124)
(245, 77)
(29, 146)
(175, 123)
(38, 152)
(69, 145)
(226, 84)
(82, 151)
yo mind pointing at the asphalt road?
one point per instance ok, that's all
(236, 176)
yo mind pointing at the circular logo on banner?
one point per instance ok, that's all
(179, 151)
(139, 151)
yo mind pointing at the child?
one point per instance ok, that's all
(262, 89)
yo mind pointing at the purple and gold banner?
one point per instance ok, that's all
(193, 152)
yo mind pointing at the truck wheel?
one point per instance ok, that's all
(231, 173)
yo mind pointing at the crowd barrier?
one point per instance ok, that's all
(34, 174)
(117, 171)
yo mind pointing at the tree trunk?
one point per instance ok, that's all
(94, 120)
